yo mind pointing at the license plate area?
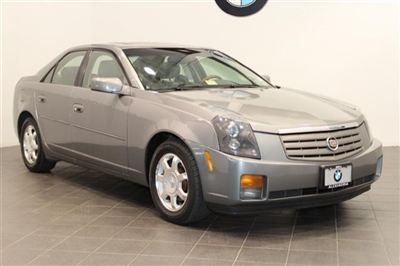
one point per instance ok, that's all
(336, 176)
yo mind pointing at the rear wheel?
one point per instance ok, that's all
(31, 148)
(175, 183)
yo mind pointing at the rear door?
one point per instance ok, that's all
(99, 119)
(53, 101)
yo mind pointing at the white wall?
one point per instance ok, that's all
(342, 49)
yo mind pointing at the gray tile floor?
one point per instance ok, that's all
(76, 216)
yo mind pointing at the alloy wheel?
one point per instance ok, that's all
(30, 144)
(171, 182)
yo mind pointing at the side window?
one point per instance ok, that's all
(68, 68)
(102, 65)
(49, 75)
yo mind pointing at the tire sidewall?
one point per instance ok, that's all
(27, 122)
(173, 147)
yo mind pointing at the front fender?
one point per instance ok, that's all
(147, 118)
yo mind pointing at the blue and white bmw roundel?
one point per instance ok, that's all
(241, 3)
(338, 175)
(241, 8)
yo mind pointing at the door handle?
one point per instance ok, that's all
(42, 99)
(78, 108)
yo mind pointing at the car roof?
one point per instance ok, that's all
(132, 45)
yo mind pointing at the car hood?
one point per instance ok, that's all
(274, 110)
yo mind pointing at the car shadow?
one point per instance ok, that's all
(281, 224)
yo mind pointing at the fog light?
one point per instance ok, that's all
(379, 164)
(252, 187)
(209, 161)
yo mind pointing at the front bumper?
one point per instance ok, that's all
(289, 183)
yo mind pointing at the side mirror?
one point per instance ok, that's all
(267, 78)
(109, 85)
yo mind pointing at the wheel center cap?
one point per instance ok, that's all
(171, 183)
(28, 144)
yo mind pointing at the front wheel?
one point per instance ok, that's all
(31, 148)
(175, 183)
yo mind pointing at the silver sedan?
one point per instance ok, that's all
(200, 129)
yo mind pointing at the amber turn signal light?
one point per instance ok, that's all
(252, 181)
(209, 161)
(252, 187)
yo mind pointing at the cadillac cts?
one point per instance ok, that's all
(200, 129)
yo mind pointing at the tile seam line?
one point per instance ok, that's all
(38, 193)
(244, 241)
(198, 241)
(337, 236)
(381, 234)
(72, 233)
(36, 230)
(291, 239)
(111, 237)
(1, 131)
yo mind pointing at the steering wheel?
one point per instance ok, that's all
(211, 77)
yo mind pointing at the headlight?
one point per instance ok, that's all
(236, 137)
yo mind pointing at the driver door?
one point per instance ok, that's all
(99, 119)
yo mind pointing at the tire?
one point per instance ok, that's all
(37, 163)
(194, 208)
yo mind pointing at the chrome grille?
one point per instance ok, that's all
(314, 146)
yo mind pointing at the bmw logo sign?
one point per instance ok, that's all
(241, 3)
(338, 175)
(241, 8)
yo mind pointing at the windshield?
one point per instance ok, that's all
(164, 69)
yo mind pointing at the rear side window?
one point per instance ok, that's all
(68, 68)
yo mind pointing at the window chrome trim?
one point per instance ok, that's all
(59, 60)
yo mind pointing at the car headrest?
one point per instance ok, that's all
(174, 72)
(68, 75)
(170, 68)
(110, 69)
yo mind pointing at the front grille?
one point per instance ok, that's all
(315, 190)
(314, 146)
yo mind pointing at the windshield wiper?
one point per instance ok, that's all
(184, 87)
(224, 86)
(244, 86)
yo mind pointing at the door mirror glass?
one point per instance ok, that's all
(109, 85)
(267, 78)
